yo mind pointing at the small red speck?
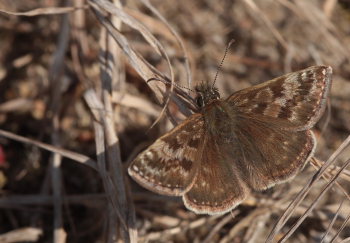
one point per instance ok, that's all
(2, 157)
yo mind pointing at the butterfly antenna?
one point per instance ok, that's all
(222, 61)
(165, 82)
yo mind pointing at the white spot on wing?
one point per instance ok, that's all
(135, 168)
(303, 75)
(149, 155)
(281, 101)
(290, 86)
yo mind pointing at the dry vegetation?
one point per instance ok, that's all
(75, 110)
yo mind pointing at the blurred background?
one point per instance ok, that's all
(75, 109)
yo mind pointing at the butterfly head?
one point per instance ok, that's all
(206, 93)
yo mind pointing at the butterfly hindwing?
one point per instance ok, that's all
(267, 155)
(218, 187)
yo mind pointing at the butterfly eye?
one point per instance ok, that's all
(199, 100)
(215, 94)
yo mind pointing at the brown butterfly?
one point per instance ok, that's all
(256, 138)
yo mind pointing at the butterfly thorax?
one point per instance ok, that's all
(217, 114)
(206, 94)
(220, 121)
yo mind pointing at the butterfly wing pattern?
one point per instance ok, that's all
(217, 187)
(254, 139)
(275, 122)
(169, 165)
(295, 100)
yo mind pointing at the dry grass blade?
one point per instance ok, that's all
(218, 226)
(15, 201)
(177, 37)
(65, 153)
(244, 223)
(44, 11)
(28, 234)
(341, 228)
(96, 108)
(130, 21)
(302, 194)
(95, 105)
(156, 236)
(314, 203)
(141, 64)
(56, 83)
(16, 105)
(135, 102)
(326, 28)
(267, 22)
(332, 222)
(346, 240)
(329, 6)
(60, 234)
(106, 179)
(118, 192)
(122, 41)
(332, 171)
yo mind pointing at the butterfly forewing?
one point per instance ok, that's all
(168, 166)
(294, 101)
